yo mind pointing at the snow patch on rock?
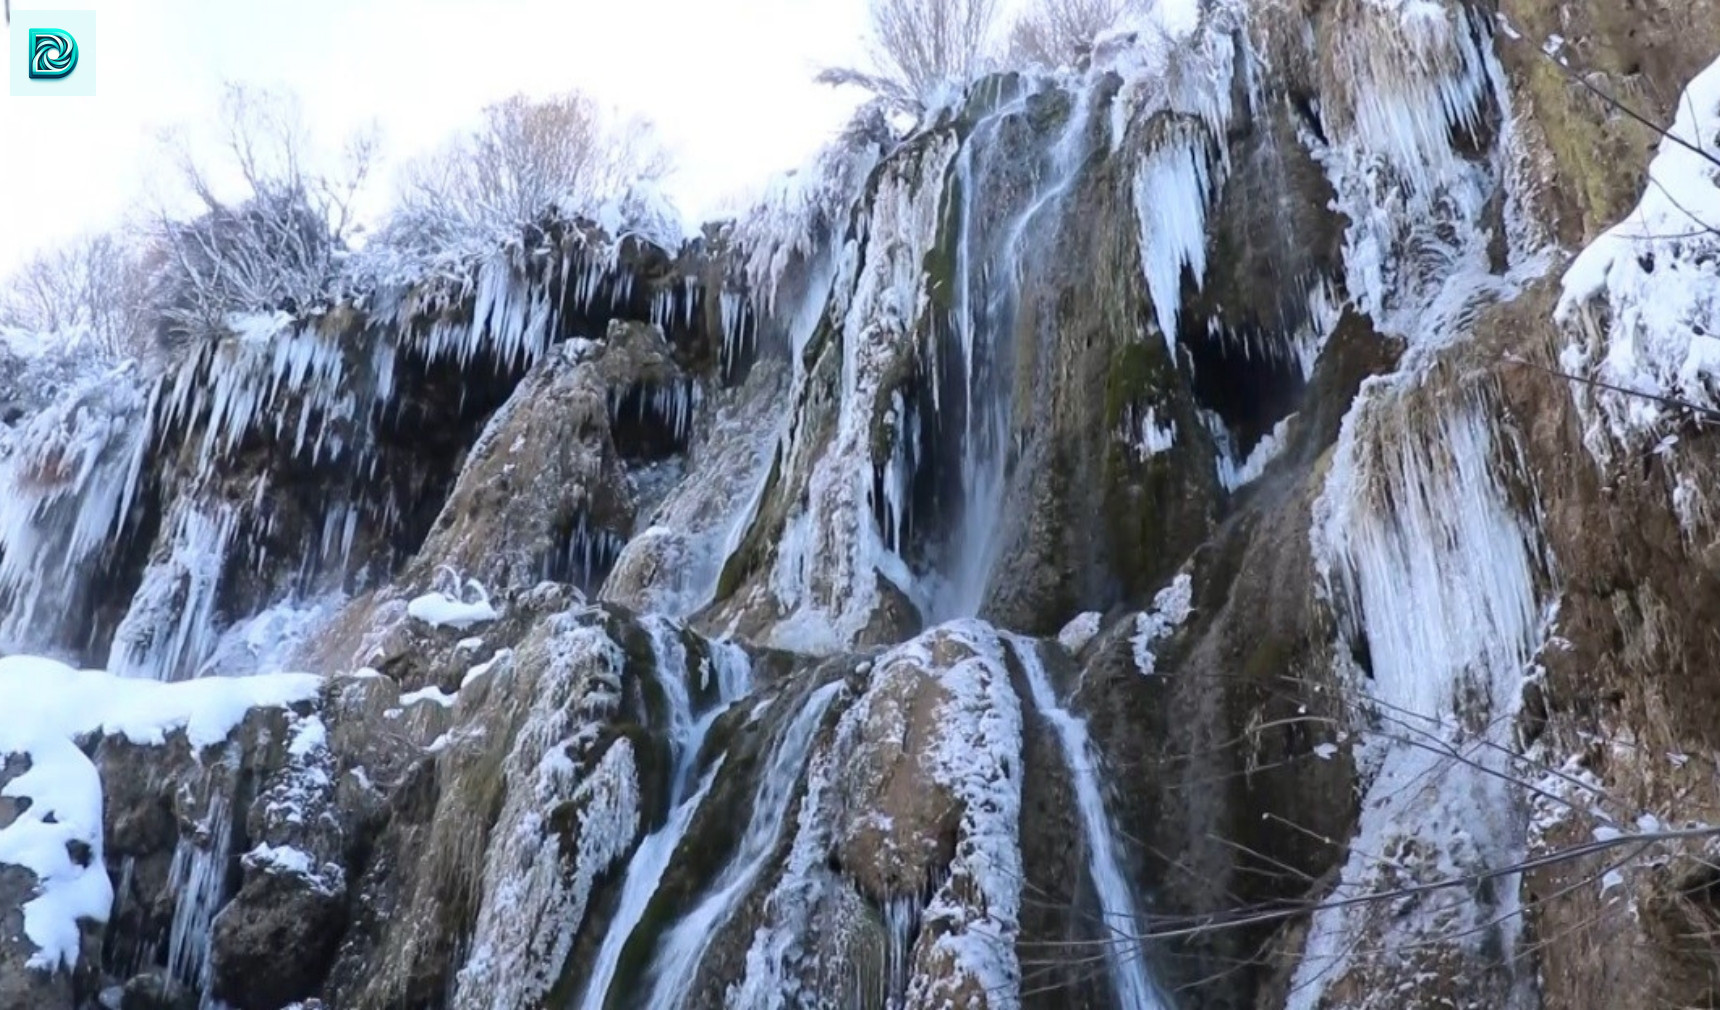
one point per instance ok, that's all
(48, 707)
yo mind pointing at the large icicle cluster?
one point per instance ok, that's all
(67, 487)
(1178, 68)
(1405, 86)
(171, 624)
(231, 430)
(1433, 566)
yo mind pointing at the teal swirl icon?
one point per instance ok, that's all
(53, 54)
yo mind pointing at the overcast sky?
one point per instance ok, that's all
(727, 82)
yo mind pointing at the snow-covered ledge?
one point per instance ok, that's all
(45, 708)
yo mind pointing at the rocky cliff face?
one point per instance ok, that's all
(1182, 533)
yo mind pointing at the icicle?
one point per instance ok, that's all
(169, 629)
(197, 879)
(1172, 188)
(66, 493)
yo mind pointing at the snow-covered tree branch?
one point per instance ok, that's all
(278, 245)
(527, 156)
(917, 46)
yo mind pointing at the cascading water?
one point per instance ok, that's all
(984, 321)
(678, 955)
(733, 672)
(1125, 962)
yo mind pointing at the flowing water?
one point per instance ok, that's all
(733, 674)
(683, 948)
(984, 322)
(1125, 962)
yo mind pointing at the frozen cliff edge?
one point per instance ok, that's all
(53, 791)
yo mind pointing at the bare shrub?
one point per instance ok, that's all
(526, 157)
(1056, 33)
(280, 245)
(917, 46)
(90, 292)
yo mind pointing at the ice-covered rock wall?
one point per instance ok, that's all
(1157, 534)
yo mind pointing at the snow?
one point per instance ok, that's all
(283, 860)
(47, 699)
(1079, 631)
(49, 706)
(1171, 608)
(258, 327)
(535, 894)
(975, 915)
(432, 694)
(1655, 272)
(65, 811)
(643, 211)
(502, 656)
(442, 610)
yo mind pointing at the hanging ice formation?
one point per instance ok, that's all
(170, 625)
(586, 557)
(344, 399)
(650, 419)
(67, 491)
(198, 881)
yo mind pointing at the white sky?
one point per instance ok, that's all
(727, 82)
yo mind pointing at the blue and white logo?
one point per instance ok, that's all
(53, 54)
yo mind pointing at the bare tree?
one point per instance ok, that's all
(916, 46)
(280, 245)
(1057, 33)
(526, 157)
(90, 292)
